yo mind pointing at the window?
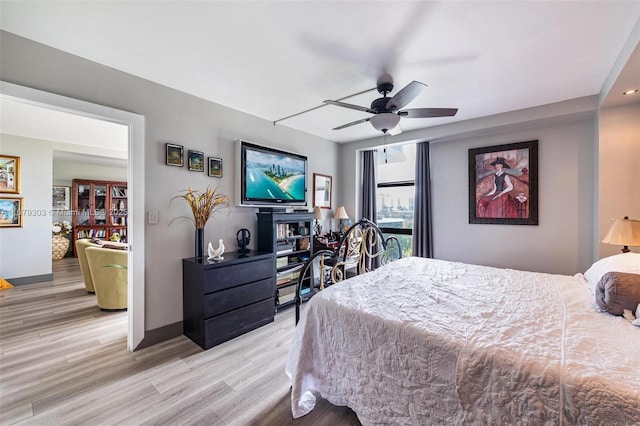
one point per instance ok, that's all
(395, 195)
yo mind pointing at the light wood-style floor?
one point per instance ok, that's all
(63, 361)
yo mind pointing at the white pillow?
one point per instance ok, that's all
(624, 262)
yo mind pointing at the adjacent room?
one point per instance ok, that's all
(355, 212)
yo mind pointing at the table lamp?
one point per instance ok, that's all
(341, 214)
(624, 232)
(318, 216)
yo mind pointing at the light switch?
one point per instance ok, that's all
(153, 217)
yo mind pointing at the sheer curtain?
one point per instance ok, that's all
(422, 229)
(369, 185)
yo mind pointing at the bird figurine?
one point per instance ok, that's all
(216, 254)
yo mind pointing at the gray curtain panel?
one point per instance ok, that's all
(369, 185)
(422, 229)
(369, 190)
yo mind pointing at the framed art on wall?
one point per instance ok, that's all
(503, 184)
(322, 191)
(196, 161)
(174, 155)
(60, 199)
(9, 174)
(10, 212)
(215, 167)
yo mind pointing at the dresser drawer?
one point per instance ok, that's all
(235, 297)
(234, 275)
(227, 326)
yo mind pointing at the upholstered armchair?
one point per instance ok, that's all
(108, 268)
(81, 245)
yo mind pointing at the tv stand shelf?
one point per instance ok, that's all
(290, 237)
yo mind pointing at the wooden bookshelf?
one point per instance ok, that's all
(100, 209)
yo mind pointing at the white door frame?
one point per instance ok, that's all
(135, 179)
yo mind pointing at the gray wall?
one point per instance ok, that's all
(26, 252)
(561, 242)
(619, 169)
(170, 116)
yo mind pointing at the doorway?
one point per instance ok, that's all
(135, 179)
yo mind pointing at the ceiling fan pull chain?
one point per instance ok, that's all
(385, 147)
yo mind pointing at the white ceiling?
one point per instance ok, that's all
(277, 58)
(38, 122)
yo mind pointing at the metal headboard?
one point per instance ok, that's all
(362, 248)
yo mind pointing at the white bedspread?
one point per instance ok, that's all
(423, 341)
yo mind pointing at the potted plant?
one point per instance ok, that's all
(203, 207)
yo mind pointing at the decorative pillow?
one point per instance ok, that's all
(624, 262)
(114, 246)
(617, 291)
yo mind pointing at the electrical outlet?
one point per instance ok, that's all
(153, 217)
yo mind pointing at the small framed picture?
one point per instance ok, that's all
(175, 155)
(60, 198)
(196, 161)
(322, 191)
(9, 174)
(10, 212)
(215, 167)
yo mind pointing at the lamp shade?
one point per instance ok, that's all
(341, 213)
(317, 213)
(623, 232)
(384, 121)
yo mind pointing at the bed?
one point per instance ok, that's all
(425, 341)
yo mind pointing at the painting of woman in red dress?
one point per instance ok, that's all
(503, 184)
(498, 202)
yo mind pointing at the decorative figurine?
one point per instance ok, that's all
(216, 254)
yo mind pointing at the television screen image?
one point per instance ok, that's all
(272, 176)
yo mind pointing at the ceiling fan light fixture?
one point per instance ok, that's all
(384, 121)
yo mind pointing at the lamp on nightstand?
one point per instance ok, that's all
(318, 216)
(624, 232)
(341, 214)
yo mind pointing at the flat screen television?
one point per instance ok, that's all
(271, 177)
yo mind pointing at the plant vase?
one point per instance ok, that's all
(199, 243)
(59, 247)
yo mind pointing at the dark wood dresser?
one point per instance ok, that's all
(222, 300)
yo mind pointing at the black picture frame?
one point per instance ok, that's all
(215, 167)
(174, 155)
(518, 163)
(195, 161)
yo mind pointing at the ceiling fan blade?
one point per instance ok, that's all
(428, 112)
(350, 106)
(406, 95)
(353, 123)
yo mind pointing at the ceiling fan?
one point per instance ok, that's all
(387, 111)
